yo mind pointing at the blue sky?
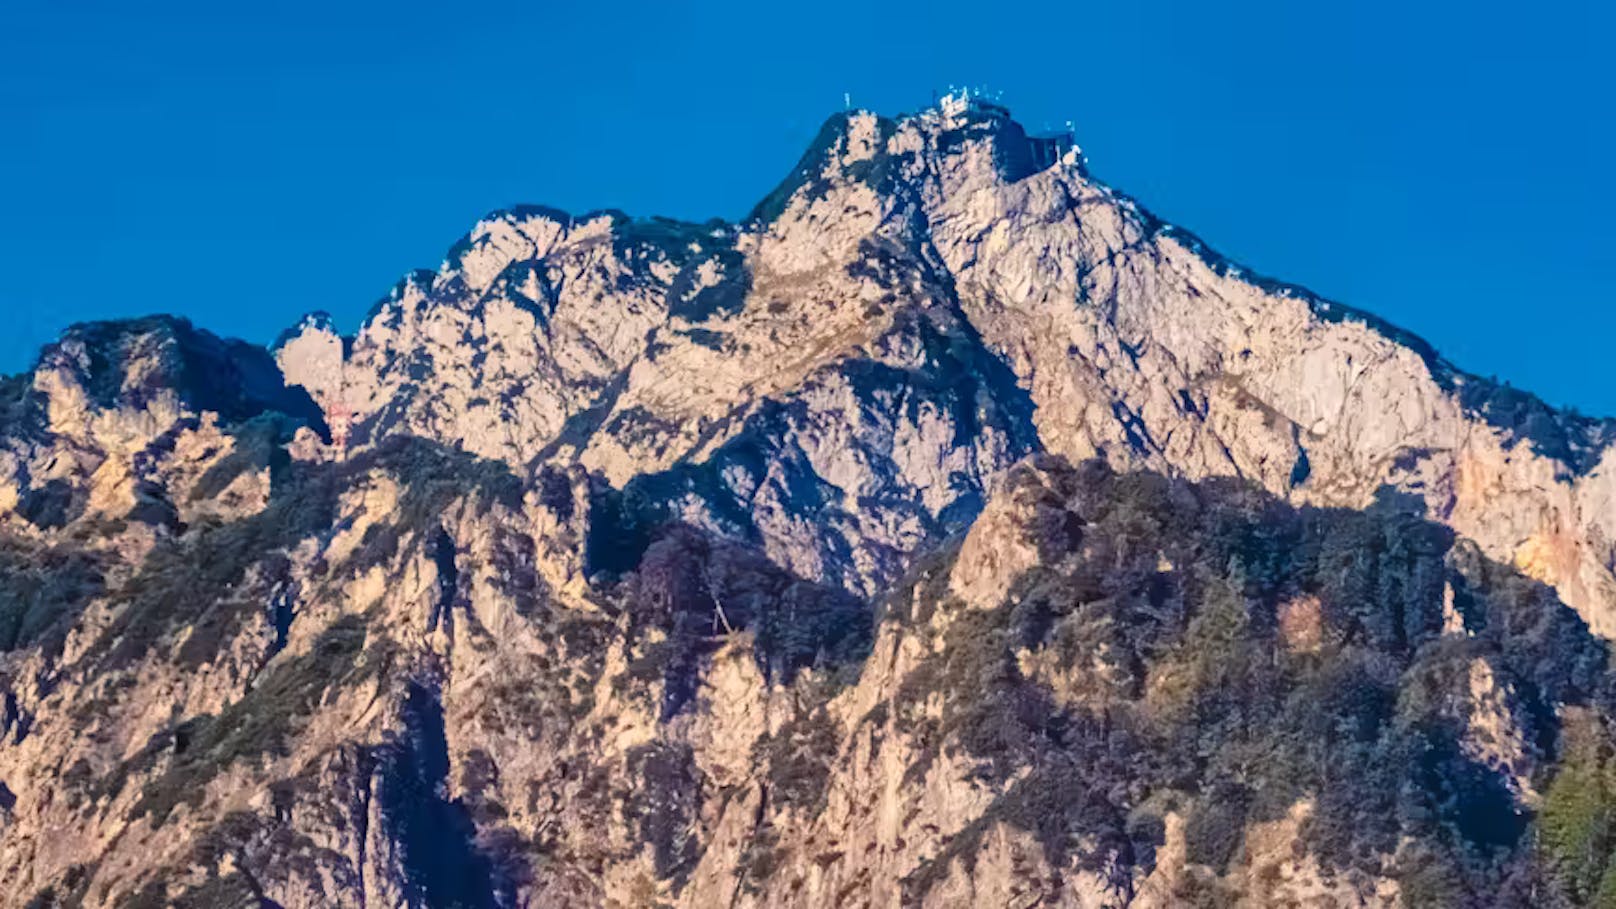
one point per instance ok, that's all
(1447, 166)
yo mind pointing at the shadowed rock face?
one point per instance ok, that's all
(636, 562)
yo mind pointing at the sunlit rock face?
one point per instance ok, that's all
(901, 251)
(950, 531)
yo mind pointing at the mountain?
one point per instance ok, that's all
(949, 532)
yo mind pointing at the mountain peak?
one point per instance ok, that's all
(315, 321)
(635, 345)
(128, 363)
(951, 531)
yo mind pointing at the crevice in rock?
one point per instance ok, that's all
(437, 840)
(443, 555)
(365, 795)
(280, 618)
(15, 720)
(1302, 469)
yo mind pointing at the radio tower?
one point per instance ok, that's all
(340, 418)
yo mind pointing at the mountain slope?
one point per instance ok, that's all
(952, 531)
(632, 346)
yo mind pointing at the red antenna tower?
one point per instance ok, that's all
(340, 416)
(340, 419)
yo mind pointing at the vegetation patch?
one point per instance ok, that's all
(699, 593)
(664, 805)
(258, 725)
(195, 580)
(1157, 657)
(42, 588)
(798, 758)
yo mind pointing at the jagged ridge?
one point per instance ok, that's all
(658, 562)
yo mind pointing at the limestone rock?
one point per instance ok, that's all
(949, 531)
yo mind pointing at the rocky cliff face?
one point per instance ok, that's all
(950, 532)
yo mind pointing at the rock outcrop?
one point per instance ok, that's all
(949, 532)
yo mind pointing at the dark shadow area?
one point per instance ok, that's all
(436, 836)
(232, 378)
(699, 591)
(51, 505)
(443, 556)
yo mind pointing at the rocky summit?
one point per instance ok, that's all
(949, 532)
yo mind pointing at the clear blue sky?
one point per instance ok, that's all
(1448, 166)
